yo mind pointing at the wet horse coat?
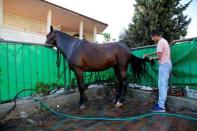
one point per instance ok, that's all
(84, 56)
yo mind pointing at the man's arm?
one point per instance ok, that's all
(147, 55)
(158, 57)
(159, 51)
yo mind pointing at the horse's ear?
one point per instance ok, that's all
(51, 28)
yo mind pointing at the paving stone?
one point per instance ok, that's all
(101, 108)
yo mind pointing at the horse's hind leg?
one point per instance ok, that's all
(118, 90)
(121, 91)
(124, 83)
(118, 98)
(81, 87)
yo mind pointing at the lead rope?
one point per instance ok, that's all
(58, 62)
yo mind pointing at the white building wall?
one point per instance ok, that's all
(15, 35)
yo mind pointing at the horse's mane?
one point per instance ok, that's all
(64, 35)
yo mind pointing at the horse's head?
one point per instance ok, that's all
(51, 37)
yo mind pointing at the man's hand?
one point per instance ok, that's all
(146, 55)
(152, 61)
(153, 58)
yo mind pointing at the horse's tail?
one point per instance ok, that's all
(138, 64)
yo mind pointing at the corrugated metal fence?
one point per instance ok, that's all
(184, 61)
(23, 65)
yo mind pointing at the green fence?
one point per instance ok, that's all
(184, 61)
(23, 65)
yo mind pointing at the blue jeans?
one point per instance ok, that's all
(164, 72)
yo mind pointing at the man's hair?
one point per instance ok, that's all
(155, 32)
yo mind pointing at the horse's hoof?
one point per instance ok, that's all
(118, 104)
(82, 106)
(85, 99)
(114, 101)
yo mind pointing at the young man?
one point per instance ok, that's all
(165, 67)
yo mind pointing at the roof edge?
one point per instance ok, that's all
(73, 12)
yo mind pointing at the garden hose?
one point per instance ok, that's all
(100, 118)
(118, 118)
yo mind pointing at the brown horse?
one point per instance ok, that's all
(84, 56)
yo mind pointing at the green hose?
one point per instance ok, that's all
(118, 119)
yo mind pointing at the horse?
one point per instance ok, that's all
(83, 56)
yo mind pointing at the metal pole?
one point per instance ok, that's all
(30, 54)
(48, 66)
(37, 63)
(42, 65)
(64, 61)
(54, 67)
(190, 65)
(23, 69)
(8, 71)
(15, 65)
(69, 79)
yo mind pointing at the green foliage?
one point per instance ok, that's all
(107, 36)
(42, 88)
(45, 89)
(164, 15)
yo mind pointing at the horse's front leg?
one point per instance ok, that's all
(81, 88)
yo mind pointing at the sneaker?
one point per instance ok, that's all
(156, 108)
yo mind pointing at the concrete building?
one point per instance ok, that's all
(30, 20)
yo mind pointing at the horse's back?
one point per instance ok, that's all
(107, 52)
(106, 46)
(104, 50)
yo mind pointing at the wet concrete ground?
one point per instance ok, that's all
(98, 107)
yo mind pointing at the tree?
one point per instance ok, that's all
(164, 15)
(107, 36)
